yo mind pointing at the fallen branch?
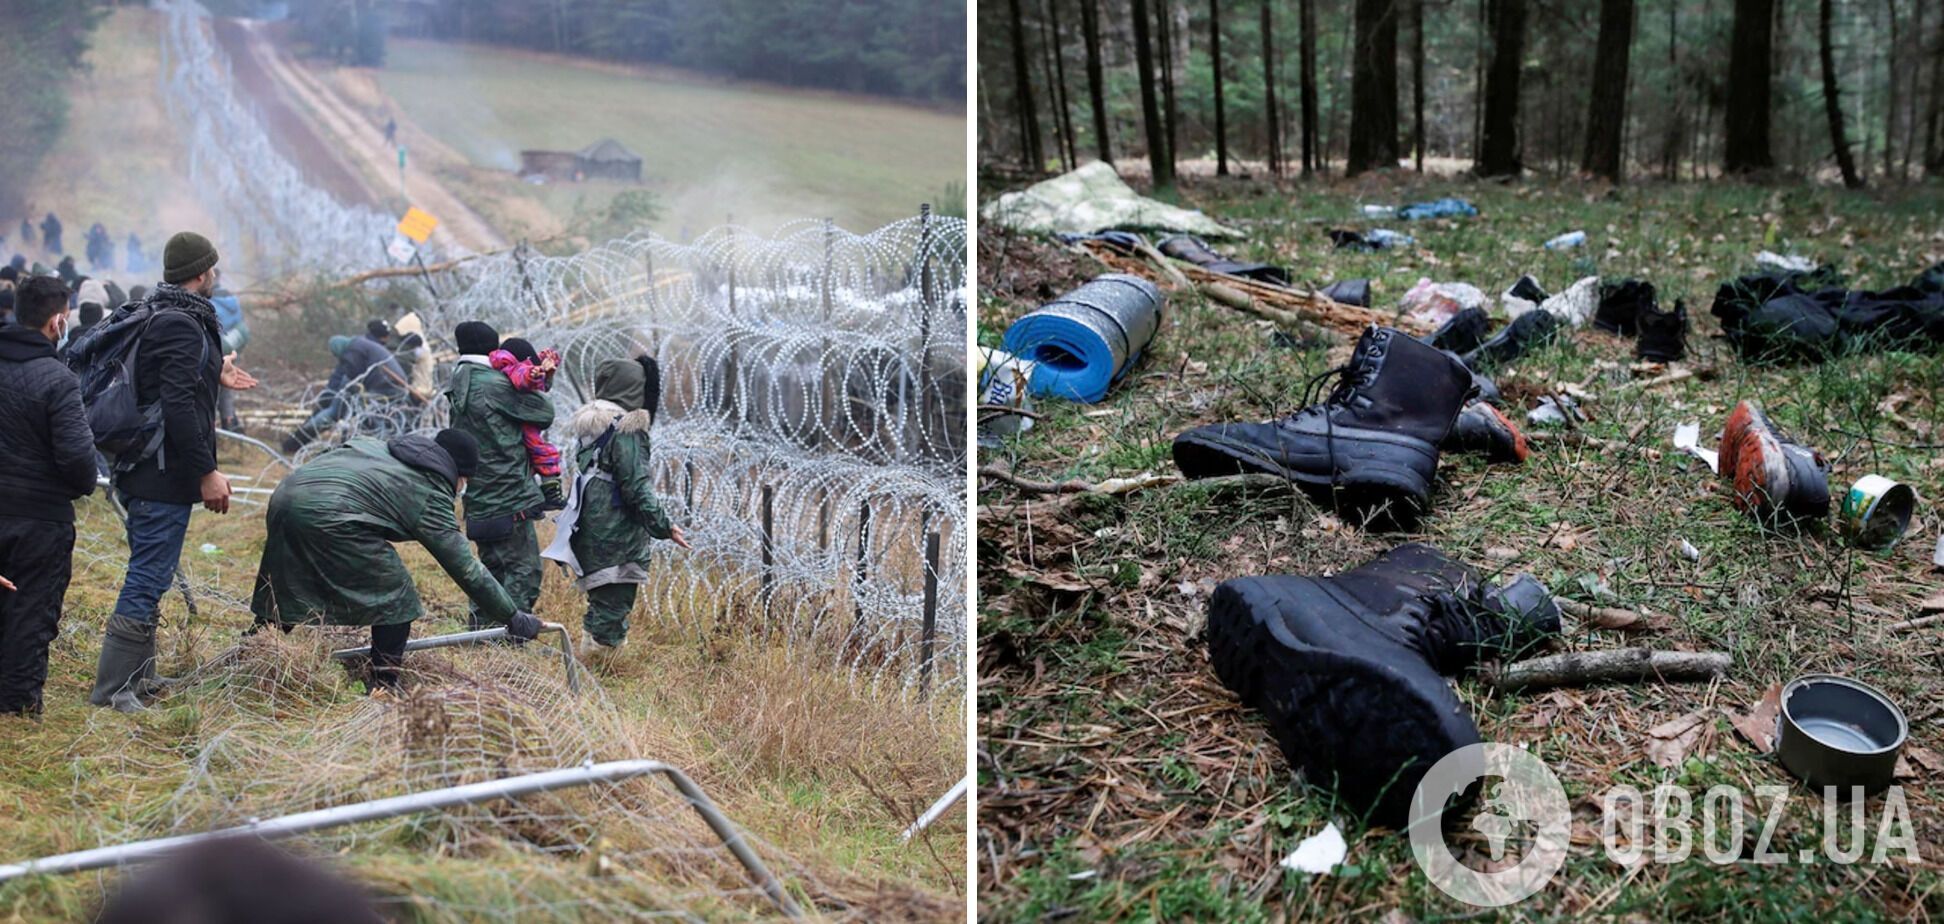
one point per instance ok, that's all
(1224, 294)
(1310, 305)
(1917, 623)
(1604, 617)
(1620, 665)
(1174, 275)
(1226, 483)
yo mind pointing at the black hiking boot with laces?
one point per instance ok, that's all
(1663, 334)
(1375, 438)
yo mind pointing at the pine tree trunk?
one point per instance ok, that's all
(1058, 43)
(1417, 81)
(1164, 39)
(1890, 94)
(1676, 121)
(1312, 157)
(1215, 66)
(1373, 88)
(1157, 142)
(1934, 121)
(1498, 150)
(1844, 161)
(1745, 132)
(1029, 136)
(1269, 90)
(1090, 25)
(1047, 67)
(1606, 117)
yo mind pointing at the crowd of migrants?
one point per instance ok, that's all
(98, 386)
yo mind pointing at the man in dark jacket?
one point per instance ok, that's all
(50, 462)
(365, 365)
(180, 365)
(504, 499)
(331, 524)
(51, 233)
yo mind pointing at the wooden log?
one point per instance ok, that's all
(1620, 665)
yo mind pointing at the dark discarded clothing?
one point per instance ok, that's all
(180, 365)
(1349, 292)
(1197, 251)
(1799, 316)
(38, 556)
(1349, 671)
(330, 525)
(50, 450)
(485, 405)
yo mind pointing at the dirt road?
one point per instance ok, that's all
(345, 140)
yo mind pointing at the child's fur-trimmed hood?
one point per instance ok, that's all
(592, 419)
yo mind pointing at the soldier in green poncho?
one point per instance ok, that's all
(328, 557)
(504, 499)
(604, 534)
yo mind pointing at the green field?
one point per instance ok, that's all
(710, 149)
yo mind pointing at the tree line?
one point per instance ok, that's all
(41, 43)
(913, 49)
(1671, 88)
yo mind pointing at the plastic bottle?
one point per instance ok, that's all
(1567, 241)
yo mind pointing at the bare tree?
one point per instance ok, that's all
(1164, 37)
(1934, 120)
(1311, 161)
(1158, 162)
(1745, 139)
(1606, 117)
(1844, 161)
(1215, 65)
(1090, 25)
(1269, 89)
(1029, 135)
(1056, 76)
(1373, 88)
(1417, 81)
(1498, 148)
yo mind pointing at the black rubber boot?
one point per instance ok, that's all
(1527, 332)
(1349, 671)
(1663, 334)
(1463, 333)
(1375, 438)
(1622, 304)
(126, 670)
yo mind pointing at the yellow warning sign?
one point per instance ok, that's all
(417, 225)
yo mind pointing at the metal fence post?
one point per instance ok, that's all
(931, 615)
(769, 547)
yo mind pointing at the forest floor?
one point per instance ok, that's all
(1119, 779)
(822, 772)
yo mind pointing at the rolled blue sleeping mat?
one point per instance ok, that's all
(1084, 341)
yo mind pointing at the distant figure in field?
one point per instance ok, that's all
(101, 248)
(26, 233)
(68, 273)
(391, 131)
(51, 233)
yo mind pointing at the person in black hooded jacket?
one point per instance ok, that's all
(180, 364)
(50, 463)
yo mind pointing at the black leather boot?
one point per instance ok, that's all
(1528, 331)
(1375, 437)
(1463, 333)
(1349, 671)
(1663, 334)
(1622, 304)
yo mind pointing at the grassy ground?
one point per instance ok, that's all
(116, 163)
(823, 772)
(710, 149)
(1120, 780)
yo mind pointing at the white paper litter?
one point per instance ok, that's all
(1769, 259)
(1318, 853)
(1937, 557)
(1687, 438)
(1689, 552)
(1576, 305)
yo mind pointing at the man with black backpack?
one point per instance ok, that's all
(50, 462)
(150, 375)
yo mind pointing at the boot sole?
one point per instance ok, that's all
(1322, 706)
(1370, 471)
(1754, 462)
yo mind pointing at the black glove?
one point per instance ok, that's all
(523, 626)
(550, 493)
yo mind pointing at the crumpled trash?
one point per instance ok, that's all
(1575, 306)
(1375, 239)
(1551, 410)
(1567, 241)
(1523, 296)
(1380, 211)
(1003, 380)
(1448, 207)
(1937, 557)
(1687, 438)
(1770, 260)
(1319, 853)
(1436, 302)
(1689, 552)
(209, 548)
